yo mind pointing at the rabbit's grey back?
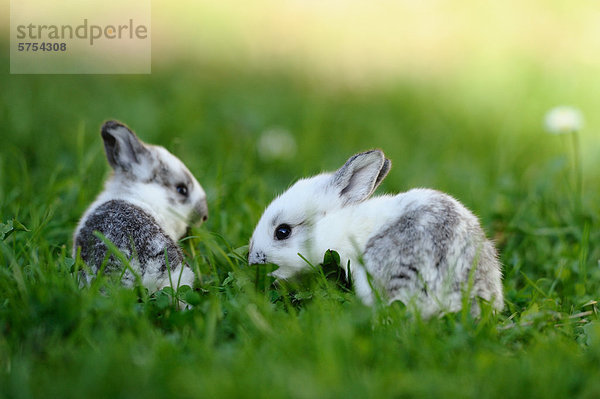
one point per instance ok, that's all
(148, 202)
(136, 234)
(427, 255)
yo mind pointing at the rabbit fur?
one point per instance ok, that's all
(147, 204)
(421, 247)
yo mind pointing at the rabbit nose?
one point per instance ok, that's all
(256, 258)
(201, 210)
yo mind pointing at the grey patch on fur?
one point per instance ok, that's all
(274, 221)
(188, 178)
(134, 232)
(421, 236)
(431, 248)
(162, 176)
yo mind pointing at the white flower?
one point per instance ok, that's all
(276, 144)
(563, 119)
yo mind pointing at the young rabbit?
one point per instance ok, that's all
(146, 206)
(421, 247)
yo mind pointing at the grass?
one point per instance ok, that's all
(245, 337)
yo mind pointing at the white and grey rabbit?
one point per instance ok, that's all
(146, 206)
(421, 247)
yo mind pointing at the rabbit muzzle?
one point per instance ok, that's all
(200, 212)
(257, 257)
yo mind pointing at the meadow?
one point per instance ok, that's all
(244, 336)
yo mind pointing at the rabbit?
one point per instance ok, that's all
(421, 247)
(147, 204)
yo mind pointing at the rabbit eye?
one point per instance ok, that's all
(182, 189)
(283, 231)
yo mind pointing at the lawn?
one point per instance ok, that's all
(245, 337)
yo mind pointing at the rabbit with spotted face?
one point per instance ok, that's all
(421, 247)
(146, 206)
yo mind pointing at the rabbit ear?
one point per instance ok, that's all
(360, 176)
(123, 148)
